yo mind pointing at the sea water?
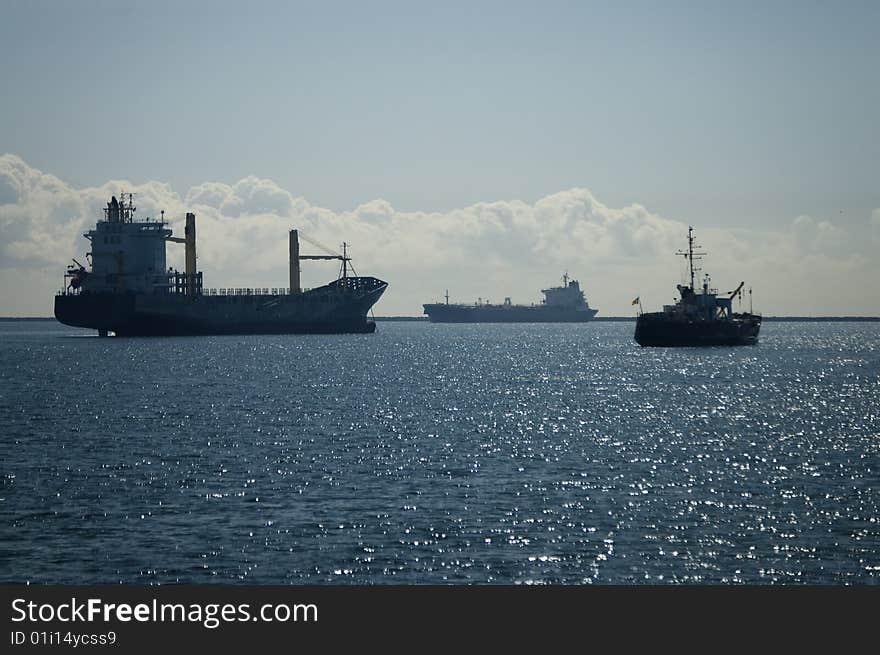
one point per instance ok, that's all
(423, 453)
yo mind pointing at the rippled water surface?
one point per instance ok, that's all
(440, 453)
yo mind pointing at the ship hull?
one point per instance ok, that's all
(660, 331)
(338, 308)
(442, 313)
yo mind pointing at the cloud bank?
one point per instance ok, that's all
(490, 250)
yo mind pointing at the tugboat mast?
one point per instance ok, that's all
(690, 255)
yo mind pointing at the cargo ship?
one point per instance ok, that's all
(565, 304)
(700, 317)
(128, 291)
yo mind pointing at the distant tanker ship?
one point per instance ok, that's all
(565, 304)
(130, 292)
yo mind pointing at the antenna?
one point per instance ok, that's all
(126, 211)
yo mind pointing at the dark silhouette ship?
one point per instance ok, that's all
(130, 292)
(700, 317)
(565, 304)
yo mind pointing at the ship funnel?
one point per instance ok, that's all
(113, 210)
(190, 245)
(294, 262)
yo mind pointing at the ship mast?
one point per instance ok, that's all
(690, 255)
(344, 260)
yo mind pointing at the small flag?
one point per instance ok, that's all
(636, 301)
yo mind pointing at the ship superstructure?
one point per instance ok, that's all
(130, 291)
(700, 317)
(565, 304)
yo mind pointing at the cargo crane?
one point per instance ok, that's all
(295, 258)
(77, 275)
(193, 281)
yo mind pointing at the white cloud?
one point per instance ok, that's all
(251, 195)
(488, 250)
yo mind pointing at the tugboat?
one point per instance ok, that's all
(700, 317)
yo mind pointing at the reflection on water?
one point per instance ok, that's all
(440, 453)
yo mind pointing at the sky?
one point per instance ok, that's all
(482, 147)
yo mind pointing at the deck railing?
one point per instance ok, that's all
(244, 291)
